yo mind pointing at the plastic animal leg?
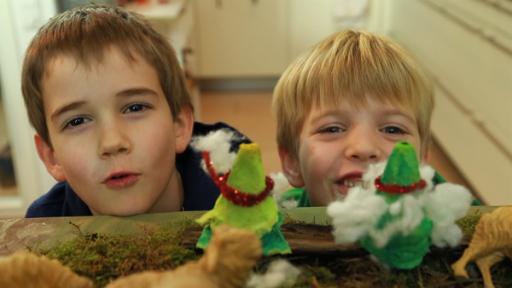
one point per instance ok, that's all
(459, 267)
(485, 264)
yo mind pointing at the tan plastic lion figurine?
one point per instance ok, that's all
(24, 269)
(227, 262)
(491, 242)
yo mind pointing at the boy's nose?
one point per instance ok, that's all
(113, 141)
(363, 148)
(364, 155)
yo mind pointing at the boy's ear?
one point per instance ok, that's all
(425, 151)
(291, 168)
(46, 154)
(425, 156)
(183, 126)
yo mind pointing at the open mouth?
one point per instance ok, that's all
(352, 182)
(348, 181)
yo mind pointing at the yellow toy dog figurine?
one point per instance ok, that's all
(491, 242)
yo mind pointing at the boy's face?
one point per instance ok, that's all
(112, 133)
(338, 143)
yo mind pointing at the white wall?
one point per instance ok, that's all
(19, 20)
(308, 24)
(467, 47)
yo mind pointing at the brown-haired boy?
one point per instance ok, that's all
(113, 118)
(342, 106)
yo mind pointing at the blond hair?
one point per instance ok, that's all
(349, 66)
(86, 33)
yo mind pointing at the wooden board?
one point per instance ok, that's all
(306, 229)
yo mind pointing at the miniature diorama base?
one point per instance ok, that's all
(104, 248)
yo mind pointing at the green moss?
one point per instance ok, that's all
(103, 258)
(468, 224)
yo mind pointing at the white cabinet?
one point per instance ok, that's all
(259, 38)
(239, 38)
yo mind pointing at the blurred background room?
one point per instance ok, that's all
(233, 52)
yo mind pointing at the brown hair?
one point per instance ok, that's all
(349, 66)
(85, 33)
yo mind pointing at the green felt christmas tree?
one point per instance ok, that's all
(245, 202)
(401, 177)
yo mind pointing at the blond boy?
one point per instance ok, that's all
(342, 106)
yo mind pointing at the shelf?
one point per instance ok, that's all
(155, 11)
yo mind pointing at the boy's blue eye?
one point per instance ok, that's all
(331, 129)
(393, 130)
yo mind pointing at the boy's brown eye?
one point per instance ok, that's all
(135, 108)
(75, 122)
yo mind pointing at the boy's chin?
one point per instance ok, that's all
(325, 201)
(121, 212)
(340, 192)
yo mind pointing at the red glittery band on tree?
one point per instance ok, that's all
(233, 195)
(397, 189)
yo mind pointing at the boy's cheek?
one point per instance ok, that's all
(49, 159)
(79, 168)
(319, 192)
(318, 201)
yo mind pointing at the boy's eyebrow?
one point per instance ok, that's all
(385, 112)
(332, 112)
(125, 93)
(136, 91)
(398, 112)
(66, 108)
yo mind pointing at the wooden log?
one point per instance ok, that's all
(309, 239)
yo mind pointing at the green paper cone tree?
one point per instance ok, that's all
(247, 173)
(402, 251)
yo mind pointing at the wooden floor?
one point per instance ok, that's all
(250, 113)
